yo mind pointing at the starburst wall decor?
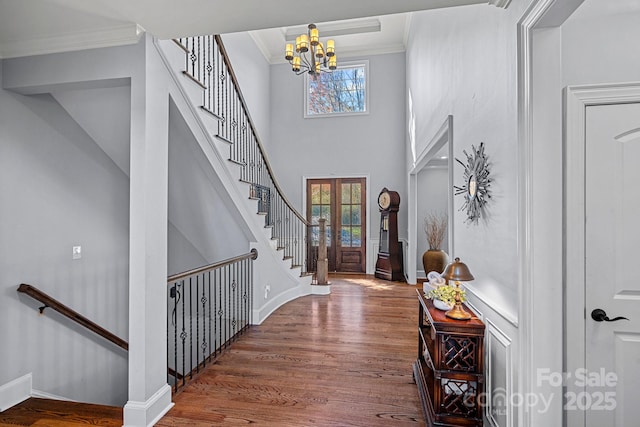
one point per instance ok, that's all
(476, 183)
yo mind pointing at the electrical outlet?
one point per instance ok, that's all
(76, 252)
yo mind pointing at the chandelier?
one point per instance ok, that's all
(313, 56)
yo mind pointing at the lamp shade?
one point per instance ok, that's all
(457, 270)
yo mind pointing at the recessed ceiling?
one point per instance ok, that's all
(354, 37)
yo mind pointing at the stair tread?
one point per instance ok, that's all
(212, 113)
(48, 412)
(222, 138)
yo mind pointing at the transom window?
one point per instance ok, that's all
(343, 91)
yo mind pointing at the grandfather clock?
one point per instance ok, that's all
(389, 265)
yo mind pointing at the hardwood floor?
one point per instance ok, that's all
(58, 413)
(337, 360)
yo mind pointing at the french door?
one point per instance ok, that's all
(342, 202)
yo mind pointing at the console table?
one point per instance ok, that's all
(449, 371)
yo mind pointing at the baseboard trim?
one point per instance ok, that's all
(261, 314)
(15, 391)
(148, 413)
(44, 395)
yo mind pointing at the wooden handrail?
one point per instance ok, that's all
(50, 302)
(234, 79)
(251, 255)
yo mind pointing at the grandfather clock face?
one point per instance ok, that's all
(384, 200)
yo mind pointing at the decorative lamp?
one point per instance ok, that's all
(310, 55)
(458, 272)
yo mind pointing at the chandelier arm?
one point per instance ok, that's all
(305, 59)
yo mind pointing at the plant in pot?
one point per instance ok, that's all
(435, 227)
(444, 296)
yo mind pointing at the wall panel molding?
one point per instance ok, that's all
(499, 381)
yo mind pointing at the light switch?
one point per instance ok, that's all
(76, 252)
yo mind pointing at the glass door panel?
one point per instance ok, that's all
(341, 201)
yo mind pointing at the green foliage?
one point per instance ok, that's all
(447, 294)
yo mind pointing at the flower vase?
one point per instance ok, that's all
(434, 260)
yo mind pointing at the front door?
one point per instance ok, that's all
(342, 202)
(612, 284)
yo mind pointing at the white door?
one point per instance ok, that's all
(612, 267)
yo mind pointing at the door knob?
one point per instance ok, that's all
(600, 315)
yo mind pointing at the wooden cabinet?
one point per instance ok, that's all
(449, 371)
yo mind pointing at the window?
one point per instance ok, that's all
(343, 91)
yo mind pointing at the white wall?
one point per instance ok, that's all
(599, 44)
(196, 208)
(462, 62)
(362, 145)
(59, 189)
(433, 198)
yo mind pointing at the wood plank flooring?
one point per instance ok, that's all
(337, 360)
(57, 413)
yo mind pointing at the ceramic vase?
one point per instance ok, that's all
(434, 260)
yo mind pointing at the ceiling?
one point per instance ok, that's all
(46, 26)
(353, 37)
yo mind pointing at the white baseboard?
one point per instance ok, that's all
(45, 395)
(15, 391)
(146, 414)
(261, 314)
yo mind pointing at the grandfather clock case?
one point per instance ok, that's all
(389, 263)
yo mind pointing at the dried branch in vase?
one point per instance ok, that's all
(435, 226)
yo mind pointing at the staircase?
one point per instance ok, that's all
(217, 115)
(227, 150)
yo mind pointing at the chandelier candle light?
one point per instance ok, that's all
(312, 55)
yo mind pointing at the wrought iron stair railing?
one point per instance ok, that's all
(208, 308)
(207, 63)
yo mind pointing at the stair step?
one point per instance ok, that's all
(53, 413)
(238, 162)
(183, 47)
(196, 81)
(208, 111)
(222, 138)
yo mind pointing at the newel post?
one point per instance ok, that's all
(323, 261)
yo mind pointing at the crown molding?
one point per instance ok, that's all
(255, 36)
(337, 28)
(80, 40)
